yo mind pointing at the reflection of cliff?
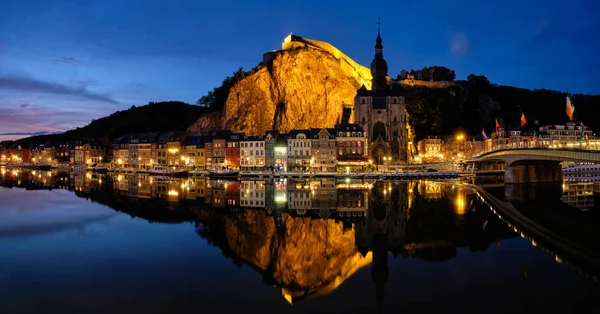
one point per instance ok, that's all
(311, 257)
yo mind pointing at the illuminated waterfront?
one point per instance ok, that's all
(82, 242)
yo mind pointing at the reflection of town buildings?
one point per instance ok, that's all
(306, 236)
(252, 193)
(578, 194)
(431, 190)
(324, 196)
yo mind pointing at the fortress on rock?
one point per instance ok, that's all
(312, 84)
(378, 106)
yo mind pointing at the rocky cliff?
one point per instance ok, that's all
(304, 87)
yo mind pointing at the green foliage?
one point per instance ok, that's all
(432, 73)
(476, 103)
(217, 97)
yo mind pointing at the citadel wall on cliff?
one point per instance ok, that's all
(305, 84)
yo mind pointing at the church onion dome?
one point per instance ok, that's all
(379, 67)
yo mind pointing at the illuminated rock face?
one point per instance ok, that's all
(305, 87)
(311, 255)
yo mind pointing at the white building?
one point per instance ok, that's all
(252, 152)
(299, 151)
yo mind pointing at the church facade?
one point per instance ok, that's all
(381, 113)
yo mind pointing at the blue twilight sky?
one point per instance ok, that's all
(65, 62)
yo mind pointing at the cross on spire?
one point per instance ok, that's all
(378, 24)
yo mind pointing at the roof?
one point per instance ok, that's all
(349, 127)
(235, 137)
(294, 133)
(254, 138)
(316, 132)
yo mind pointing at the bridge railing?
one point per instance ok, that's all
(542, 144)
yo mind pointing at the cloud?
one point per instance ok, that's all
(459, 44)
(67, 60)
(23, 106)
(30, 133)
(35, 86)
(45, 228)
(86, 83)
(35, 119)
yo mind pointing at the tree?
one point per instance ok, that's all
(426, 73)
(478, 79)
(403, 75)
(216, 98)
(451, 76)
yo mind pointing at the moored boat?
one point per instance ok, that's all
(164, 171)
(224, 173)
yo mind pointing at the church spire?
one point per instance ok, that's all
(378, 45)
(378, 65)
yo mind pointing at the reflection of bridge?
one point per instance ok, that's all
(535, 214)
(536, 164)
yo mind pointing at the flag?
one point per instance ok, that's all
(523, 119)
(570, 108)
(483, 133)
(497, 126)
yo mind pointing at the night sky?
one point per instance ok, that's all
(63, 63)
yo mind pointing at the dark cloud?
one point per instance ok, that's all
(26, 231)
(36, 119)
(67, 60)
(86, 83)
(30, 133)
(35, 86)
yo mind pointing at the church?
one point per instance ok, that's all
(381, 113)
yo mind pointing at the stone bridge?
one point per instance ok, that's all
(530, 165)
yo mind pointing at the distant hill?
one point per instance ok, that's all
(475, 104)
(153, 117)
(308, 83)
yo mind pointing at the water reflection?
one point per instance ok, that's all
(563, 217)
(308, 236)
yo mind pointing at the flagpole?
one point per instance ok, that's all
(576, 118)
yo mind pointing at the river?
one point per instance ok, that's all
(90, 243)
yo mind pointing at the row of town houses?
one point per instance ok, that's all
(342, 148)
(324, 149)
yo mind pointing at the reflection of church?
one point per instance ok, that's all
(384, 229)
(381, 113)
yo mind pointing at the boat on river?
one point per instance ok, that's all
(224, 173)
(164, 171)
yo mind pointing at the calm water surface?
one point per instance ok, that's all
(138, 244)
